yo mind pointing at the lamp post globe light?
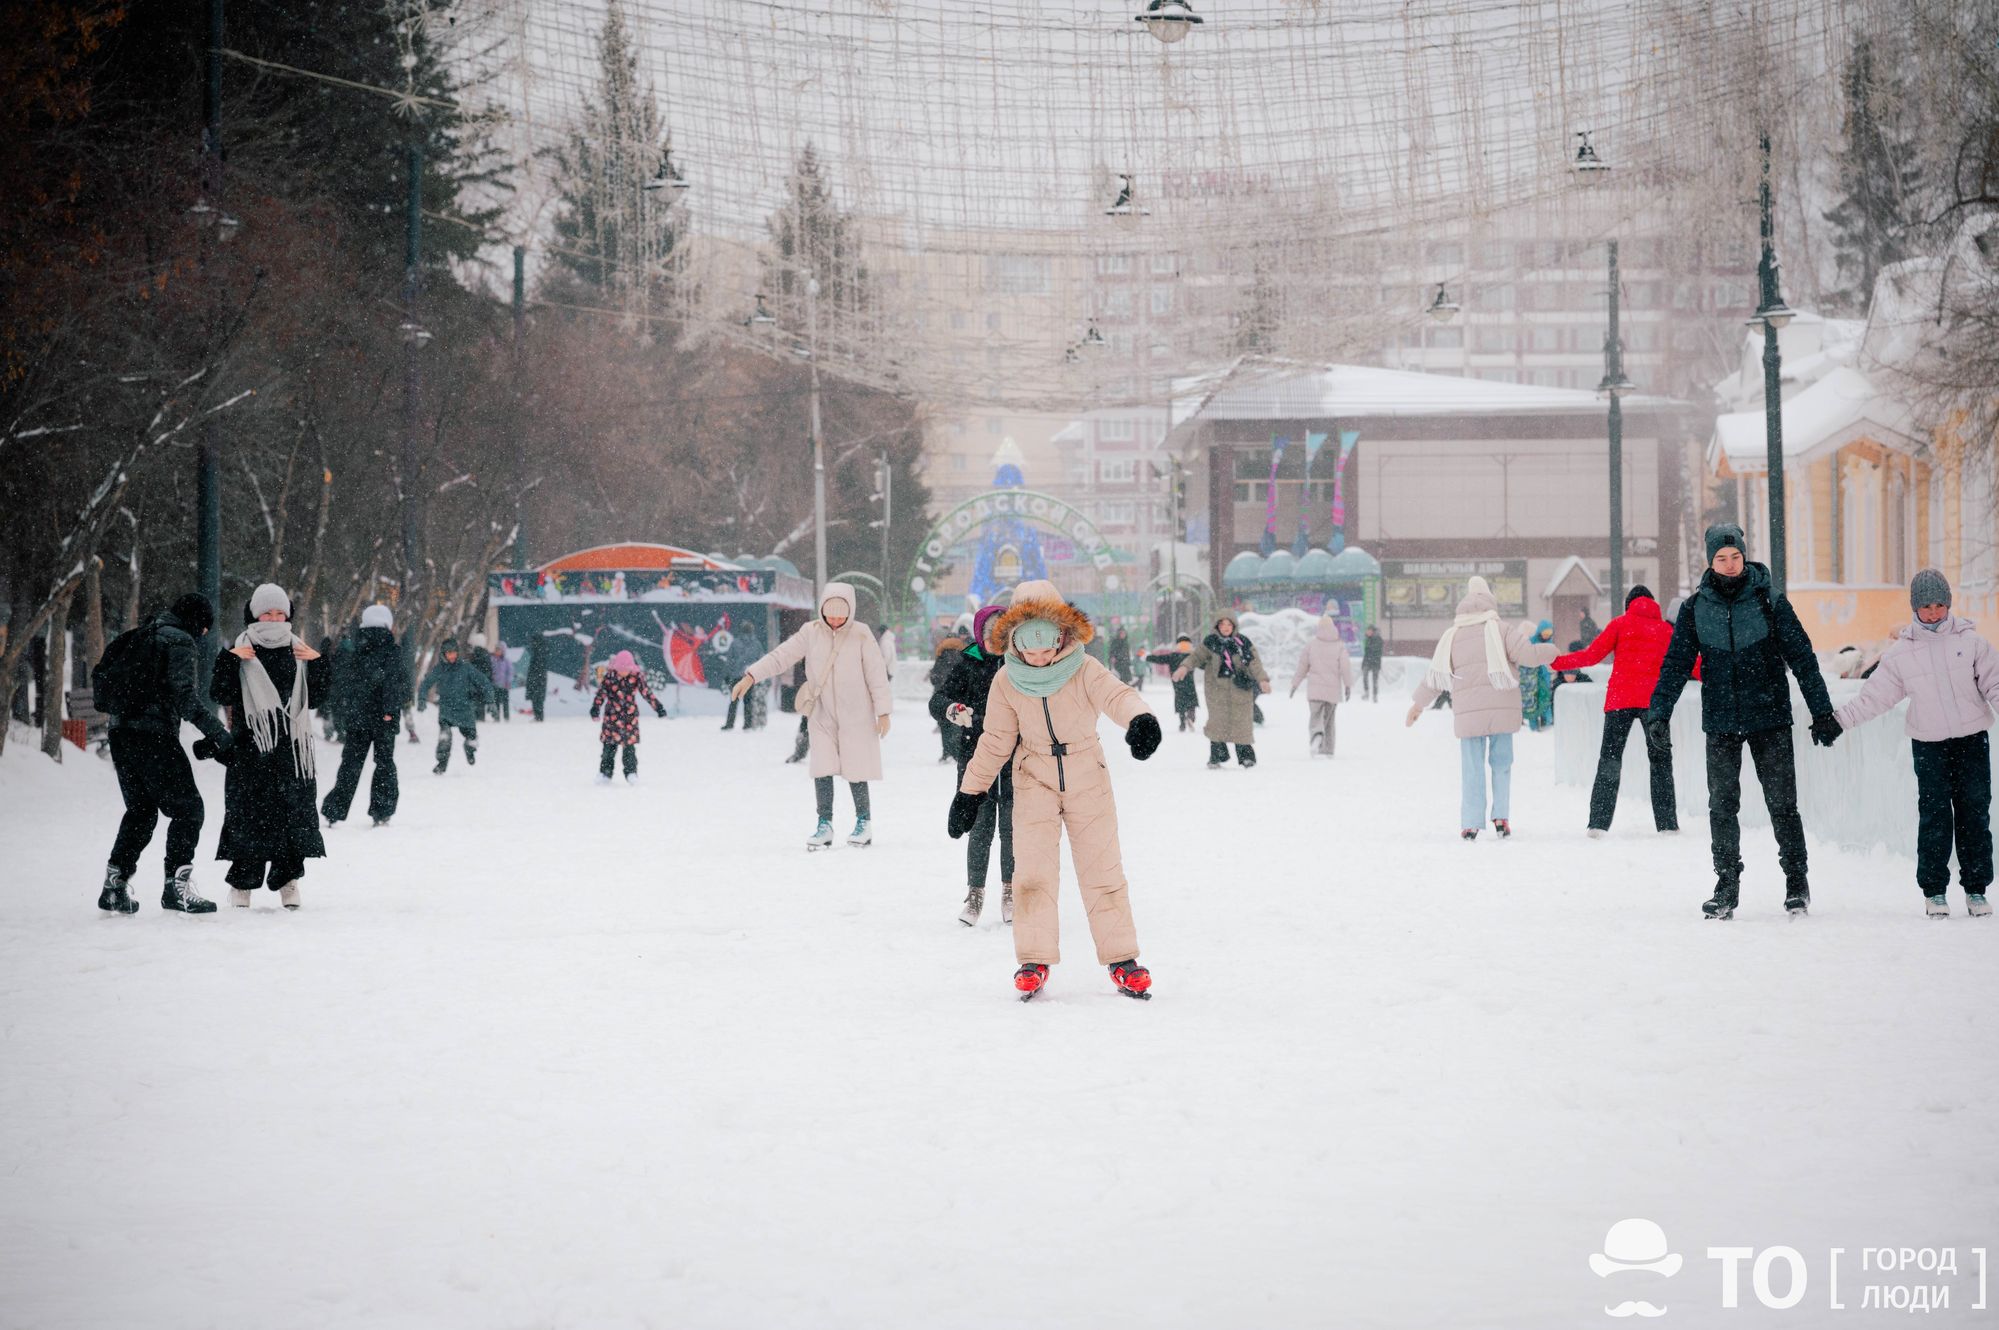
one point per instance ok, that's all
(1443, 309)
(1168, 20)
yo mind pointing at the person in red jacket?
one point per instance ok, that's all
(1639, 638)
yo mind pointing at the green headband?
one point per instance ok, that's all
(1037, 635)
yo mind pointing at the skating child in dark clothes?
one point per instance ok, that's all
(1186, 700)
(618, 703)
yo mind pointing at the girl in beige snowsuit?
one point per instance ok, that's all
(1041, 716)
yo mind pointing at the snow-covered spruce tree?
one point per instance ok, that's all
(618, 224)
(812, 237)
(1878, 181)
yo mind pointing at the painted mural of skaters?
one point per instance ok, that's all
(845, 703)
(1325, 667)
(1186, 701)
(1041, 719)
(1636, 641)
(370, 700)
(146, 684)
(1478, 661)
(617, 701)
(1951, 677)
(463, 694)
(269, 681)
(959, 705)
(1745, 636)
(1232, 676)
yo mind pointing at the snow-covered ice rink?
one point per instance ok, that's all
(546, 1054)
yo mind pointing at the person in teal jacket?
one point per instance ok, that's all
(464, 693)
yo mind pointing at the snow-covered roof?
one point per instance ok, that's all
(1838, 409)
(1281, 390)
(1810, 346)
(1569, 565)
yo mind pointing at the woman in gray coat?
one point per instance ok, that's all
(1232, 676)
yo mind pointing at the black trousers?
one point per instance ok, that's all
(1776, 768)
(1220, 752)
(995, 819)
(611, 753)
(1370, 682)
(154, 777)
(471, 733)
(249, 874)
(1610, 773)
(822, 791)
(383, 790)
(539, 702)
(1954, 801)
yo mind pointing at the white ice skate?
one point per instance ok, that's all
(1597, 833)
(1977, 906)
(822, 835)
(1936, 907)
(864, 833)
(239, 898)
(288, 895)
(975, 901)
(631, 778)
(603, 778)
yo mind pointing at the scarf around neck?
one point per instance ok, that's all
(261, 703)
(1235, 652)
(1043, 680)
(1498, 669)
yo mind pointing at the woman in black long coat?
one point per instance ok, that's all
(269, 679)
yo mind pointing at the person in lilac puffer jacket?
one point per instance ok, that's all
(1951, 677)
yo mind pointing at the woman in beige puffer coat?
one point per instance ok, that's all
(843, 664)
(1041, 716)
(1326, 670)
(1478, 662)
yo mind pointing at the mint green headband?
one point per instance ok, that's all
(1037, 635)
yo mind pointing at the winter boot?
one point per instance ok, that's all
(1132, 979)
(239, 898)
(631, 778)
(288, 895)
(975, 901)
(1029, 979)
(180, 893)
(471, 754)
(603, 778)
(1722, 904)
(1936, 907)
(380, 821)
(1976, 905)
(1502, 828)
(1598, 833)
(1797, 896)
(438, 770)
(1006, 903)
(822, 835)
(864, 833)
(118, 900)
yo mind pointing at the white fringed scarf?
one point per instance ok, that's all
(1499, 671)
(261, 703)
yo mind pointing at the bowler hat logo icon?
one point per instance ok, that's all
(1635, 1246)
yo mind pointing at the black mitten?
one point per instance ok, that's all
(964, 812)
(1142, 736)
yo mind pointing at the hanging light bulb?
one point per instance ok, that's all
(759, 315)
(1168, 20)
(1587, 164)
(1124, 208)
(668, 176)
(1094, 339)
(1443, 309)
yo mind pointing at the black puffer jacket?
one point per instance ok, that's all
(270, 810)
(969, 680)
(174, 698)
(373, 683)
(1744, 638)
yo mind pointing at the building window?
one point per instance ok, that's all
(994, 425)
(1117, 431)
(1117, 473)
(1117, 304)
(992, 323)
(1497, 296)
(1447, 339)
(1490, 339)
(1162, 300)
(1112, 265)
(1165, 263)
(1018, 274)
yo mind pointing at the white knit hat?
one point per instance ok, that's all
(378, 616)
(269, 597)
(478, 639)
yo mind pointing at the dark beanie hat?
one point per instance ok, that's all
(1929, 587)
(1720, 536)
(194, 612)
(449, 644)
(1640, 590)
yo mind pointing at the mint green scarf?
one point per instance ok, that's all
(1043, 680)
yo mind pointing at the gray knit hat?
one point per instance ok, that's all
(1929, 588)
(1721, 535)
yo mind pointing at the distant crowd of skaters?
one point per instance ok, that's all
(1018, 705)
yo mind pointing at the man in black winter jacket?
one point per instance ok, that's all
(153, 772)
(1745, 635)
(370, 700)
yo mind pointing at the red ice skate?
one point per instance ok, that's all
(1132, 979)
(1029, 979)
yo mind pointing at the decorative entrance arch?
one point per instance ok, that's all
(997, 510)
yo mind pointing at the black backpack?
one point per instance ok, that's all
(127, 679)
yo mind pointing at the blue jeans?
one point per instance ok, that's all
(1496, 749)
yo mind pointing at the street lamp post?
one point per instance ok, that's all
(1615, 386)
(414, 336)
(818, 439)
(1772, 314)
(208, 457)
